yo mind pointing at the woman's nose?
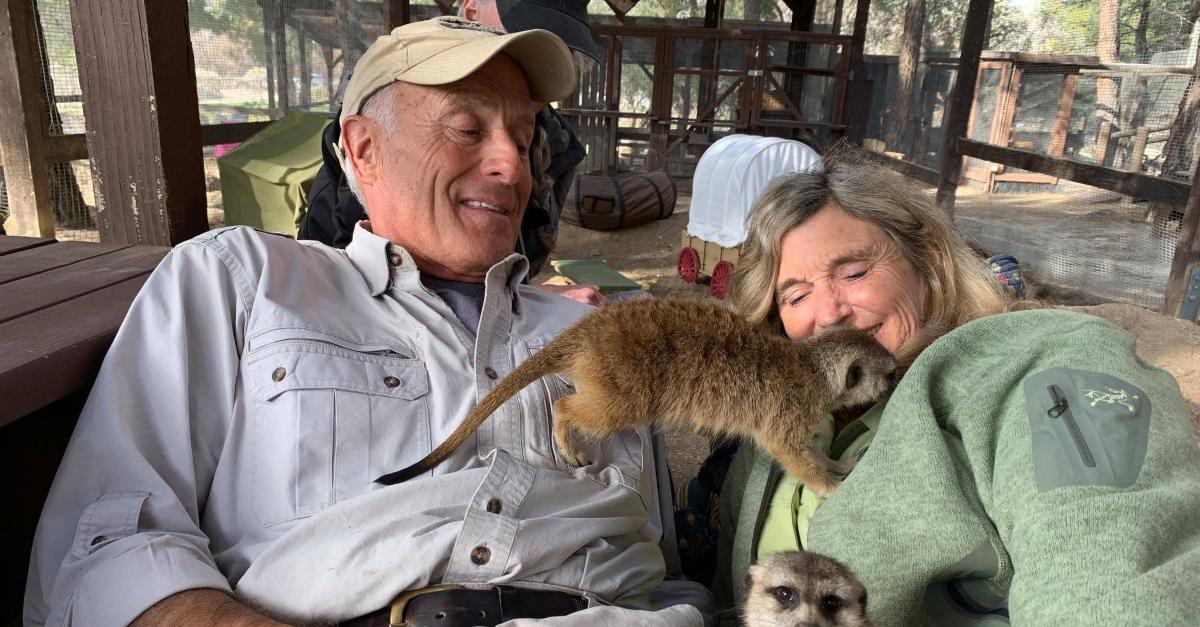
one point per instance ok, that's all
(830, 310)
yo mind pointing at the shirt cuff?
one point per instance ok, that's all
(118, 590)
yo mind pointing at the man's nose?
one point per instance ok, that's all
(504, 158)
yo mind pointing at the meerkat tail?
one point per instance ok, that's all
(550, 359)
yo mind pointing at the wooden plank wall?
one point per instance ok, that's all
(143, 118)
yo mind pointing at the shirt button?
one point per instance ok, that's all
(391, 381)
(394, 259)
(279, 374)
(491, 374)
(480, 555)
(494, 506)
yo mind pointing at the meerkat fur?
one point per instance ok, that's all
(802, 588)
(678, 362)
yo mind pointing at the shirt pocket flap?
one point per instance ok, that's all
(312, 365)
(111, 517)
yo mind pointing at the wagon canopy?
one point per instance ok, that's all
(732, 174)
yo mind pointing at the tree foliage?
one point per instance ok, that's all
(1072, 27)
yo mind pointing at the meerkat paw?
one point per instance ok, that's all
(825, 488)
(574, 457)
(842, 468)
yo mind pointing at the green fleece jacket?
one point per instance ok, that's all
(1029, 467)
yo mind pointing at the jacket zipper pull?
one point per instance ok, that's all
(1062, 409)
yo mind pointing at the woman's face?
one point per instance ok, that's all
(838, 270)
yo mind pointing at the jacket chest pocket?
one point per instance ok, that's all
(325, 419)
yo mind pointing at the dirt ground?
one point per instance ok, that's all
(647, 254)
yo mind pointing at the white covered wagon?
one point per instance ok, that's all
(729, 178)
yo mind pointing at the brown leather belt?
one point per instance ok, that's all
(467, 607)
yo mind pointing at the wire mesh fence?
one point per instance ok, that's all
(1090, 81)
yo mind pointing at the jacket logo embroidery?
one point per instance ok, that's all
(1112, 396)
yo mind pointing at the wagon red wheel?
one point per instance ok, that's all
(689, 264)
(720, 280)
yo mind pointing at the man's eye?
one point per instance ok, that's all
(469, 132)
(794, 299)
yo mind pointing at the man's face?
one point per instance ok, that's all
(451, 183)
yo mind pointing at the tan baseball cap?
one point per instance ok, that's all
(447, 49)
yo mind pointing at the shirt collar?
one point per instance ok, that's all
(377, 259)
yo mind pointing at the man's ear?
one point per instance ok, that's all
(470, 10)
(358, 144)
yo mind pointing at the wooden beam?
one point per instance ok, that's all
(1129, 183)
(1187, 256)
(143, 119)
(973, 37)
(24, 123)
(621, 7)
(396, 13)
(859, 88)
(928, 176)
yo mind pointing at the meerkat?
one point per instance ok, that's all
(802, 588)
(678, 362)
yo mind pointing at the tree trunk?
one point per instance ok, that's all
(1133, 110)
(753, 10)
(1108, 49)
(910, 56)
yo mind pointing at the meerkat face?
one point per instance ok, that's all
(798, 588)
(858, 367)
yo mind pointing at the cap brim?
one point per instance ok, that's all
(574, 33)
(544, 59)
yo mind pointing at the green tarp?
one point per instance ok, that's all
(265, 180)
(592, 272)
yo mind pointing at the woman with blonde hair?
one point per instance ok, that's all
(1028, 467)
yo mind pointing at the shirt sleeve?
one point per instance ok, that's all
(120, 530)
(1092, 480)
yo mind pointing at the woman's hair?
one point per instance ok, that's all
(959, 286)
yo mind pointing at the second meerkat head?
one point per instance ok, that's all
(858, 368)
(798, 588)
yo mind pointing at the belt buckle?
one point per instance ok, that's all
(400, 603)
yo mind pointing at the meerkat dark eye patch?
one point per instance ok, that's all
(785, 595)
(831, 604)
(854, 375)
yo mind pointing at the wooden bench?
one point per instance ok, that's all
(60, 306)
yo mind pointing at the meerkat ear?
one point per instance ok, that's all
(749, 581)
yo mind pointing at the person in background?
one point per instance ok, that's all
(556, 151)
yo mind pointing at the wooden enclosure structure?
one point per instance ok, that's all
(705, 82)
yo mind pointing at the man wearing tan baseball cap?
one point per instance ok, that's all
(232, 478)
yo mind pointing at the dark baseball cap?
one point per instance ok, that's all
(565, 18)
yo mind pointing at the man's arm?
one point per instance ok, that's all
(120, 530)
(202, 607)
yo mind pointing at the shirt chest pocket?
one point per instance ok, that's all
(622, 449)
(326, 420)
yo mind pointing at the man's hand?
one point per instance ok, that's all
(586, 294)
(203, 606)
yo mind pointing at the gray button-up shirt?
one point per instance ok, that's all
(259, 385)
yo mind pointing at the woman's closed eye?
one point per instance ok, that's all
(854, 271)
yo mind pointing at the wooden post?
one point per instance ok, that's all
(305, 69)
(1141, 138)
(974, 34)
(859, 89)
(1187, 254)
(1062, 117)
(23, 124)
(143, 119)
(283, 75)
(396, 13)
